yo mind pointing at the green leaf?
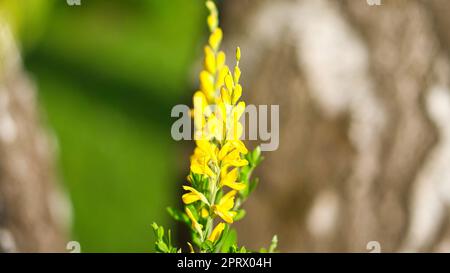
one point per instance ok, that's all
(228, 240)
(240, 214)
(196, 240)
(160, 233)
(155, 228)
(252, 185)
(243, 250)
(162, 247)
(233, 249)
(194, 212)
(178, 215)
(207, 246)
(274, 244)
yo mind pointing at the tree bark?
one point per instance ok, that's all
(364, 101)
(32, 208)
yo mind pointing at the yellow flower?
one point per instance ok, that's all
(215, 234)
(233, 159)
(207, 149)
(199, 165)
(229, 179)
(229, 146)
(225, 206)
(203, 155)
(195, 224)
(193, 196)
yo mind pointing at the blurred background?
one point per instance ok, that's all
(85, 99)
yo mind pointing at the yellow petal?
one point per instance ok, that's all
(226, 215)
(217, 231)
(200, 103)
(204, 213)
(215, 38)
(237, 93)
(238, 110)
(239, 163)
(227, 201)
(193, 196)
(230, 177)
(220, 60)
(221, 77)
(236, 186)
(222, 111)
(229, 180)
(238, 54)
(224, 94)
(189, 198)
(224, 150)
(207, 83)
(206, 147)
(210, 60)
(237, 74)
(229, 82)
(239, 145)
(212, 21)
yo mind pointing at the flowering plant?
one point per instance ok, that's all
(221, 166)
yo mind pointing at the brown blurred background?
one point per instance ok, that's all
(364, 101)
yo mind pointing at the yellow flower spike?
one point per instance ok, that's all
(237, 93)
(229, 180)
(210, 60)
(223, 209)
(193, 196)
(229, 82)
(215, 38)
(191, 249)
(217, 231)
(195, 225)
(219, 152)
